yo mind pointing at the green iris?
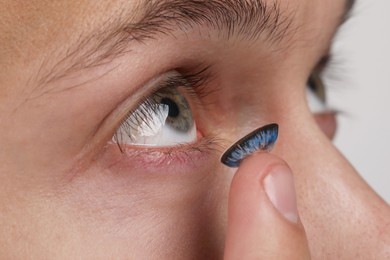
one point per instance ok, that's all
(179, 114)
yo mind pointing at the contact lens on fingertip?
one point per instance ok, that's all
(262, 139)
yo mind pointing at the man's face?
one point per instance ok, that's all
(87, 170)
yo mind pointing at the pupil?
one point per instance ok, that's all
(173, 108)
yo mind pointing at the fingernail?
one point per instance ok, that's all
(280, 189)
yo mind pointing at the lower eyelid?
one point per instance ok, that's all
(182, 158)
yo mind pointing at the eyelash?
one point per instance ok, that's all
(194, 87)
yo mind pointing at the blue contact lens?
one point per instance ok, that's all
(262, 139)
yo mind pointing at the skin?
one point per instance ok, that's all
(66, 194)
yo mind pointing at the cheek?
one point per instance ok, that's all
(127, 206)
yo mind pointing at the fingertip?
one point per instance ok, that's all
(264, 173)
(263, 218)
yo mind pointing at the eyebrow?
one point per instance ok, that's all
(248, 19)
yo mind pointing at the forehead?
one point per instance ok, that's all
(29, 27)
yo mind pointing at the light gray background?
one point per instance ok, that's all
(359, 86)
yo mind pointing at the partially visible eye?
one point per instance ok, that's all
(315, 93)
(315, 88)
(316, 98)
(316, 85)
(163, 119)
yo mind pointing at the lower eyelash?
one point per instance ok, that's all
(153, 159)
(262, 139)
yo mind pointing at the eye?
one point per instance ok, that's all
(163, 119)
(315, 93)
(316, 98)
(315, 88)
